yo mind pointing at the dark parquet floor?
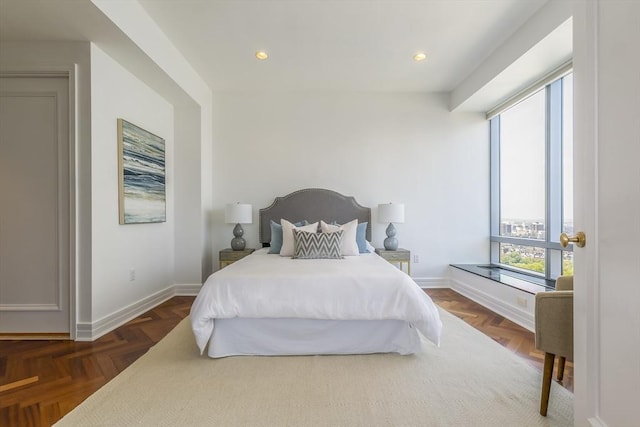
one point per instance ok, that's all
(61, 374)
(41, 381)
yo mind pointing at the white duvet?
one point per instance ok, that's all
(265, 285)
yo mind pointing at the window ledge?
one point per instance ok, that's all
(522, 281)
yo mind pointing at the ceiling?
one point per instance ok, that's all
(338, 44)
(341, 45)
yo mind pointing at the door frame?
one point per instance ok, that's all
(586, 279)
(588, 285)
(69, 72)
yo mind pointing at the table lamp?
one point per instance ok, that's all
(238, 213)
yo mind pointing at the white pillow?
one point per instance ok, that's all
(349, 244)
(287, 235)
(370, 247)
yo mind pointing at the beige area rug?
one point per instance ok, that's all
(469, 381)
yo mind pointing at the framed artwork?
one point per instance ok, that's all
(141, 170)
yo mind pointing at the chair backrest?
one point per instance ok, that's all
(554, 319)
(564, 283)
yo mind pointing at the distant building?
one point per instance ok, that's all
(505, 229)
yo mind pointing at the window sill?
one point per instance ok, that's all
(524, 282)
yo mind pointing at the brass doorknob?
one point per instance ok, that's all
(580, 239)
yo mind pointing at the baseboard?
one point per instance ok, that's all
(94, 330)
(495, 304)
(596, 422)
(187, 289)
(432, 282)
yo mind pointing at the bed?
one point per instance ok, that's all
(271, 305)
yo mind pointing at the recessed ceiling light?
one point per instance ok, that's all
(420, 56)
(261, 55)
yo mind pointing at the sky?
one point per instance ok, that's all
(522, 157)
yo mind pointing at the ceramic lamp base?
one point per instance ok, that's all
(238, 243)
(391, 243)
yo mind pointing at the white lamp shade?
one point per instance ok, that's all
(391, 212)
(238, 213)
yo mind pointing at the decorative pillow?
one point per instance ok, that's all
(317, 245)
(361, 238)
(349, 244)
(276, 235)
(287, 235)
(370, 248)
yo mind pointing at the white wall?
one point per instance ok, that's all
(147, 248)
(378, 147)
(187, 192)
(165, 68)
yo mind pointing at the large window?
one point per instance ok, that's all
(531, 181)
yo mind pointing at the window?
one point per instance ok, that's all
(532, 181)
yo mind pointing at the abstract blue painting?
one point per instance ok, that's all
(141, 164)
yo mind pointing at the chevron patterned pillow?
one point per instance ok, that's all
(309, 245)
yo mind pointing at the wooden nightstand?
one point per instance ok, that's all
(399, 256)
(229, 256)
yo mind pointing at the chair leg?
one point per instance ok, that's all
(561, 361)
(546, 382)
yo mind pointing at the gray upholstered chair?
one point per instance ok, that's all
(554, 332)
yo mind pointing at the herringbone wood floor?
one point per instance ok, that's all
(41, 381)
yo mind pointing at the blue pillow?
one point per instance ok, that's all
(361, 236)
(276, 235)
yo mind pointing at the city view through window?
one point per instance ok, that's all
(530, 257)
(523, 174)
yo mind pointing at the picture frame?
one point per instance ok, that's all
(141, 175)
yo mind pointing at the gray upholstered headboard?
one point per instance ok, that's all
(313, 204)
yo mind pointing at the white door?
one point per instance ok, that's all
(34, 205)
(607, 201)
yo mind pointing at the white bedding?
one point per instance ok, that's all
(298, 337)
(364, 287)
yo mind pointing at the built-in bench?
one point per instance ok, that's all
(521, 281)
(508, 293)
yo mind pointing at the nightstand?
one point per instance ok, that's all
(229, 256)
(399, 256)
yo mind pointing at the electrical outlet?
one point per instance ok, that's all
(522, 302)
(132, 274)
(416, 259)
